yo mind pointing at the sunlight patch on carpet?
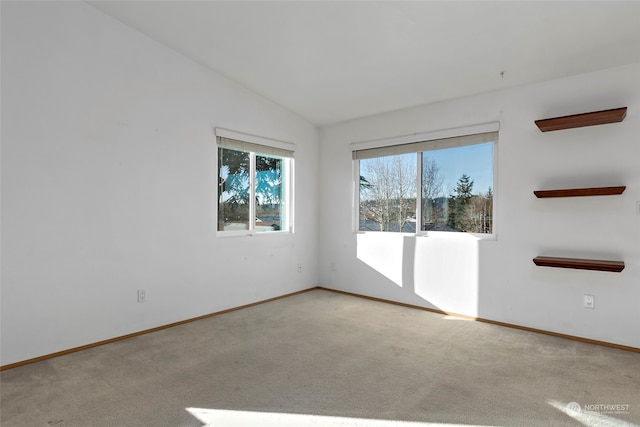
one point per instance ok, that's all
(228, 418)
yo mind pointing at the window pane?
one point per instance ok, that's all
(270, 209)
(388, 193)
(233, 189)
(457, 188)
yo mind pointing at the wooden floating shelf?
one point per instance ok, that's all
(580, 263)
(580, 120)
(579, 192)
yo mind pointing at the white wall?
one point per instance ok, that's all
(496, 279)
(108, 184)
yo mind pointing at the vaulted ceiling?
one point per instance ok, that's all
(332, 61)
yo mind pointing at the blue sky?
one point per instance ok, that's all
(473, 160)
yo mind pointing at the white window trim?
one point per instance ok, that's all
(425, 137)
(288, 174)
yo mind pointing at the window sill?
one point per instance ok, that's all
(437, 234)
(251, 233)
(458, 235)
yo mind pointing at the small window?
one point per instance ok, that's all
(428, 186)
(254, 187)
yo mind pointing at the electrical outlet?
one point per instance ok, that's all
(638, 207)
(299, 268)
(589, 301)
(333, 266)
(142, 295)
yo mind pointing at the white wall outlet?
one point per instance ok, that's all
(333, 266)
(638, 207)
(142, 295)
(299, 268)
(589, 301)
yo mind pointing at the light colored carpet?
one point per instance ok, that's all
(322, 358)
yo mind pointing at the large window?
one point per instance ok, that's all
(254, 185)
(437, 185)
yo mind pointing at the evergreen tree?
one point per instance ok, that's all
(461, 201)
(364, 183)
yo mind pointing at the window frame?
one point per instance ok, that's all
(433, 141)
(259, 146)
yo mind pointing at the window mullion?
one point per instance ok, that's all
(419, 193)
(290, 181)
(355, 204)
(252, 192)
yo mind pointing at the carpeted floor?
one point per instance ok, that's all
(322, 358)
